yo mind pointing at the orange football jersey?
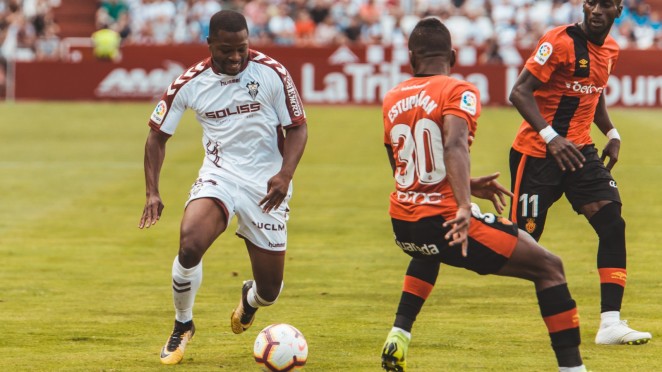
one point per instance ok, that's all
(575, 73)
(413, 115)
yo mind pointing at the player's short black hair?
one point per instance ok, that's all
(227, 20)
(430, 38)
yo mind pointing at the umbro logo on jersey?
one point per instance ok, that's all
(252, 89)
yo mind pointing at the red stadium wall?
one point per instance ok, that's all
(334, 75)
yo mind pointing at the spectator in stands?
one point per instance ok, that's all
(47, 46)
(304, 27)
(281, 26)
(201, 12)
(352, 33)
(327, 32)
(491, 55)
(257, 17)
(319, 10)
(110, 12)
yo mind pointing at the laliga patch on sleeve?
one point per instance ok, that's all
(543, 53)
(159, 112)
(468, 102)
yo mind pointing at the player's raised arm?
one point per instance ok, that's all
(154, 156)
(565, 153)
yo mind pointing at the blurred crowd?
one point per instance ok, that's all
(481, 23)
(29, 30)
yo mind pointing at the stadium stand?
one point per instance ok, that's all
(32, 29)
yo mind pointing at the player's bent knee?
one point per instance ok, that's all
(552, 269)
(190, 255)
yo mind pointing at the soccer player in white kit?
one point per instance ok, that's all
(245, 101)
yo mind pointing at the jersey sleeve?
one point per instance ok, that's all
(464, 102)
(547, 57)
(168, 112)
(287, 102)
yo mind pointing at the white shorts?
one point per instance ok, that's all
(265, 230)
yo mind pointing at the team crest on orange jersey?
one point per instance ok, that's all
(530, 225)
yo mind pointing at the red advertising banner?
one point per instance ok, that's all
(332, 75)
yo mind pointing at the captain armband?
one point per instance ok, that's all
(548, 133)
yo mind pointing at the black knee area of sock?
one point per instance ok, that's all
(425, 270)
(555, 300)
(410, 305)
(610, 227)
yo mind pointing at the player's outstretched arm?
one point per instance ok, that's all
(602, 120)
(154, 156)
(456, 158)
(487, 187)
(277, 186)
(565, 153)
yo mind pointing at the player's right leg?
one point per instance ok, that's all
(531, 261)
(419, 281)
(204, 220)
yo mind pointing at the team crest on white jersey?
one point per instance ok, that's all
(252, 88)
(543, 53)
(468, 102)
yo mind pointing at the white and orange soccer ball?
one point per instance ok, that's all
(280, 347)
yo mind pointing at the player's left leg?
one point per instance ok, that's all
(606, 219)
(268, 267)
(265, 235)
(532, 262)
(418, 283)
(593, 192)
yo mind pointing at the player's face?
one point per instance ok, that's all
(229, 50)
(599, 15)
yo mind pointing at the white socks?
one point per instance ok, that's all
(609, 317)
(408, 334)
(256, 301)
(581, 368)
(185, 284)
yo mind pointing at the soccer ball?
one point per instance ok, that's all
(280, 347)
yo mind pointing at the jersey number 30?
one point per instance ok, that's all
(421, 153)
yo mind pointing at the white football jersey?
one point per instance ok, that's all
(242, 116)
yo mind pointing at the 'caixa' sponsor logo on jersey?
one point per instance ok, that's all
(241, 109)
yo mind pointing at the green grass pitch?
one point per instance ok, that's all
(83, 289)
